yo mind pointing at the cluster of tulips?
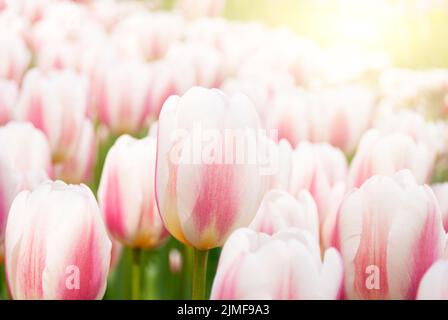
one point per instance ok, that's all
(320, 172)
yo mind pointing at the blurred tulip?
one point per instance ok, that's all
(126, 193)
(61, 227)
(55, 103)
(14, 56)
(122, 96)
(286, 265)
(322, 170)
(8, 98)
(433, 285)
(175, 260)
(198, 8)
(31, 9)
(279, 210)
(389, 233)
(282, 178)
(205, 191)
(79, 167)
(146, 35)
(25, 161)
(441, 192)
(386, 154)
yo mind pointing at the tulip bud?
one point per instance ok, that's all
(122, 96)
(208, 177)
(24, 163)
(389, 233)
(434, 284)
(279, 210)
(55, 103)
(56, 244)
(126, 193)
(8, 98)
(286, 265)
(79, 167)
(386, 154)
(175, 259)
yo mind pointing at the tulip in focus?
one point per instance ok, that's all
(279, 210)
(285, 266)
(59, 226)
(434, 284)
(206, 190)
(126, 193)
(25, 162)
(55, 103)
(389, 233)
(386, 154)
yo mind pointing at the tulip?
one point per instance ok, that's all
(441, 192)
(55, 103)
(389, 232)
(79, 167)
(284, 152)
(175, 261)
(433, 285)
(322, 170)
(386, 154)
(286, 265)
(202, 197)
(126, 193)
(279, 210)
(122, 96)
(25, 162)
(8, 98)
(59, 226)
(14, 56)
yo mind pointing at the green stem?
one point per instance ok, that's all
(199, 274)
(136, 274)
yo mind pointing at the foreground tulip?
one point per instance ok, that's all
(279, 210)
(25, 161)
(55, 103)
(287, 265)
(205, 191)
(389, 233)
(386, 154)
(126, 193)
(434, 284)
(60, 228)
(122, 96)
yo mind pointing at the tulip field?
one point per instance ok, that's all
(223, 150)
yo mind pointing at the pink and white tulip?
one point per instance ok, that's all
(280, 210)
(60, 226)
(389, 232)
(25, 162)
(322, 170)
(78, 168)
(126, 193)
(14, 56)
(287, 265)
(9, 92)
(203, 197)
(434, 284)
(386, 154)
(122, 94)
(55, 103)
(441, 192)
